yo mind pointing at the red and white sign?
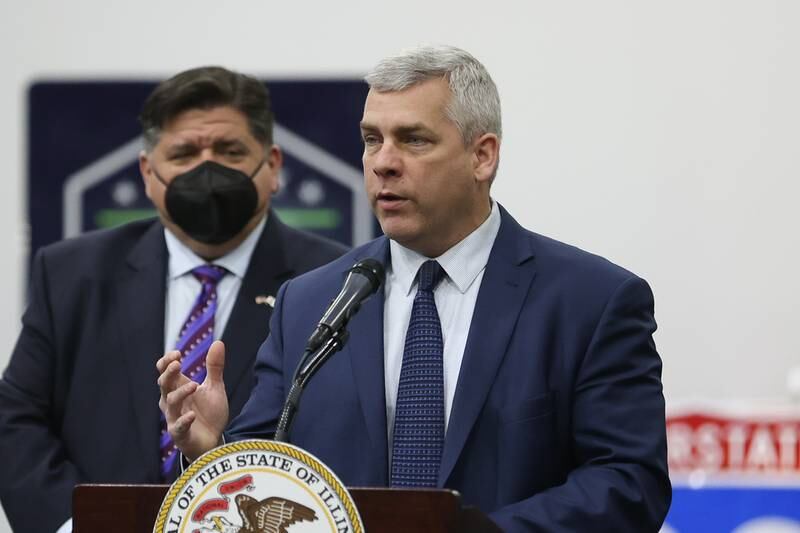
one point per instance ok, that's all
(711, 444)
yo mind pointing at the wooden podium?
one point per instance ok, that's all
(133, 509)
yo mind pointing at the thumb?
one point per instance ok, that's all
(215, 363)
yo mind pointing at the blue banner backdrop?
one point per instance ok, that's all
(84, 140)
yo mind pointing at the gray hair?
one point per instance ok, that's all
(475, 105)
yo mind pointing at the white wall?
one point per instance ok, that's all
(663, 135)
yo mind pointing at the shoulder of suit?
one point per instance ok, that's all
(302, 238)
(561, 260)
(307, 250)
(579, 280)
(336, 268)
(107, 245)
(568, 261)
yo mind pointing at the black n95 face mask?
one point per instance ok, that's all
(211, 203)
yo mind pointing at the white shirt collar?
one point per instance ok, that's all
(462, 262)
(183, 260)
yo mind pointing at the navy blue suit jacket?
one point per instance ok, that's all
(79, 399)
(558, 418)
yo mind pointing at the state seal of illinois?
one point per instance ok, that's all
(258, 486)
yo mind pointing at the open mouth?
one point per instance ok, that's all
(388, 200)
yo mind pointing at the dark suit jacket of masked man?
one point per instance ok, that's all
(79, 399)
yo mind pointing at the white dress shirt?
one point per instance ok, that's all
(455, 298)
(183, 288)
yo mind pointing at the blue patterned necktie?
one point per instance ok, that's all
(194, 340)
(419, 417)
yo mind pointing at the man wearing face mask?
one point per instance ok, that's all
(78, 399)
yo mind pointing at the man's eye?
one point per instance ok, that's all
(416, 141)
(370, 140)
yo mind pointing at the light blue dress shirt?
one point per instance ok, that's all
(455, 297)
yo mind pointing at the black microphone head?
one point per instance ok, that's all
(363, 280)
(373, 270)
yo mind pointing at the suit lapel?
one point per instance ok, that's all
(139, 296)
(365, 349)
(248, 324)
(505, 284)
(138, 301)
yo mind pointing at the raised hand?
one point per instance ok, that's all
(196, 414)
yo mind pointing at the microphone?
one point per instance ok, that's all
(362, 281)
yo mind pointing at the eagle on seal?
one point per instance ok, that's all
(271, 515)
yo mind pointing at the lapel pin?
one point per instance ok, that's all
(269, 301)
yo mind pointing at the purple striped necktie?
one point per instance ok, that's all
(194, 340)
(419, 417)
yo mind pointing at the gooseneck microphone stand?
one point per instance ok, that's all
(309, 364)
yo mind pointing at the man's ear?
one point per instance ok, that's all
(274, 162)
(486, 155)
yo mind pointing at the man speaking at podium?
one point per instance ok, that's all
(538, 391)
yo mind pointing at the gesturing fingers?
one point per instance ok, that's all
(180, 427)
(215, 364)
(171, 378)
(166, 359)
(173, 402)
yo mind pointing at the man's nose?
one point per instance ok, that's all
(208, 154)
(387, 161)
